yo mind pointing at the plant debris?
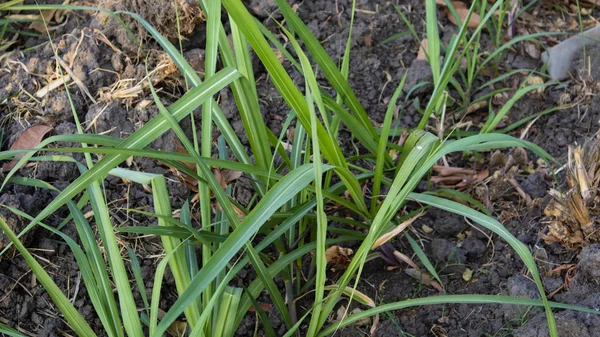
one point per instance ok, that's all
(29, 139)
(463, 11)
(338, 257)
(573, 214)
(456, 177)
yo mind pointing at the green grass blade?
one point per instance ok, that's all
(139, 279)
(8, 330)
(131, 319)
(321, 230)
(139, 139)
(155, 300)
(190, 251)
(281, 192)
(498, 228)
(423, 258)
(491, 124)
(382, 147)
(213, 15)
(177, 263)
(99, 268)
(75, 320)
(329, 68)
(100, 303)
(288, 90)
(449, 299)
(433, 39)
(247, 99)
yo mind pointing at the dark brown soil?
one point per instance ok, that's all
(375, 69)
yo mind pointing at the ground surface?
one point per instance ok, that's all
(84, 43)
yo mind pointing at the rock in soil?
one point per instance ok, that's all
(569, 324)
(587, 63)
(445, 224)
(561, 57)
(535, 185)
(473, 247)
(419, 73)
(589, 262)
(519, 286)
(445, 252)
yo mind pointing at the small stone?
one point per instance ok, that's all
(560, 58)
(560, 138)
(535, 185)
(519, 286)
(587, 63)
(589, 262)
(473, 247)
(553, 283)
(444, 251)
(420, 74)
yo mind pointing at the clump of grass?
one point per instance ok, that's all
(291, 202)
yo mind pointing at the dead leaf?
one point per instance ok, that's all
(177, 329)
(463, 12)
(467, 275)
(338, 257)
(424, 278)
(389, 235)
(224, 177)
(29, 139)
(263, 306)
(446, 171)
(362, 321)
(41, 24)
(426, 229)
(179, 148)
(342, 313)
(404, 258)
(423, 50)
(532, 50)
(457, 177)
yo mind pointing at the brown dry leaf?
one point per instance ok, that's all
(391, 234)
(423, 50)
(424, 278)
(459, 5)
(532, 50)
(177, 329)
(179, 148)
(463, 11)
(185, 179)
(40, 25)
(446, 171)
(342, 313)
(224, 177)
(404, 258)
(29, 139)
(457, 177)
(338, 257)
(263, 306)
(362, 321)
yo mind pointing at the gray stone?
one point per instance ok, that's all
(560, 58)
(443, 251)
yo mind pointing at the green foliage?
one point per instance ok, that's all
(290, 209)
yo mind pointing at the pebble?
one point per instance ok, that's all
(560, 58)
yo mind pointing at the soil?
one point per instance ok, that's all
(101, 55)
